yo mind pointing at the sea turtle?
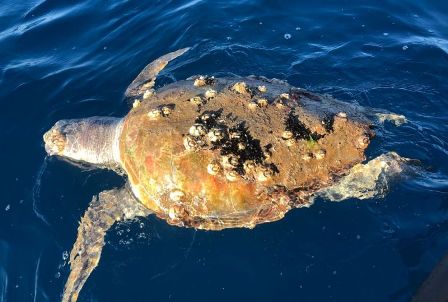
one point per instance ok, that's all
(214, 153)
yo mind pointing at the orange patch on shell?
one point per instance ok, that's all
(149, 162)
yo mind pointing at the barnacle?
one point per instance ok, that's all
(197, 100)
(155, 113)
(190, 143)
(216, 135)
(262, 102)
(176, 195)
(262, 88)
(240, 87)
(166, 110)
(210, 93)
(136, 103)
(214, 168)
(198, 130)
(320, 154)
(287, 134)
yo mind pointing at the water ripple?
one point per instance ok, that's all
(61, 60)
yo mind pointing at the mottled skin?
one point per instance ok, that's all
(158, 164)
(257, 149)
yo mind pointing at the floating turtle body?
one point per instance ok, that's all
(214, 153)
(220, 163)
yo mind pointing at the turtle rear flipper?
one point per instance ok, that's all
(369, 180)
(144, 82)
(104, 210)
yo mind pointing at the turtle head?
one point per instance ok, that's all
(92, 140)
(55, 139)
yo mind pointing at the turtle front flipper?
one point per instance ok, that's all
(144, 82)
(104, 210)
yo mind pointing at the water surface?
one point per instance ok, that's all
(64, 59)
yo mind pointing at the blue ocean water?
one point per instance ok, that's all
(71, 59)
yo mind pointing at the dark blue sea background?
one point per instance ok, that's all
(73, 59)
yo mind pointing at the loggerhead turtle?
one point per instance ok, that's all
(214, 153)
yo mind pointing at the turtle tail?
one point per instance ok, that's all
(104, 210)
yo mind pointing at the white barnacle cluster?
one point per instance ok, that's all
(197, 100)
(203, 133)
(210, 93)
(148, 93)
(264, 173)
(320, 154)
(230, 161)
(252, 105)
(176, 195)
(160, 111)
(202, 99)
(154, 113)
(317, 154)
(231, 175)
(261, 102)
(362, 142)
(240, 155)
(257, 103)
(176, 212)
(284, 96)
(258, 97)
(287, 134)
(136, 103)
(341, 117)
(240, 87)
(262, 88)
(197, 130)
(200, 136)
(199, 82)
(204, 81)
(281, 101)
(288, 138)
(190, 143)
(233, 167)
(214, 168)
(216, 134)
(296, 131)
